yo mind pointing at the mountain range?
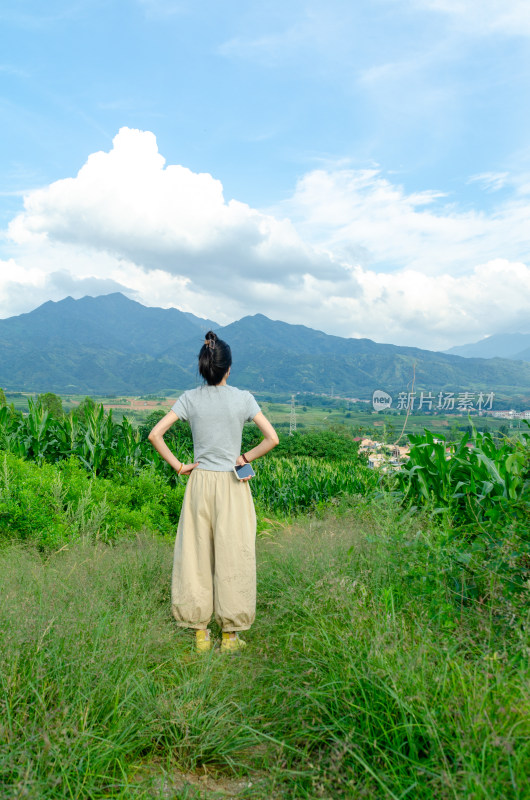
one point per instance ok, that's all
(114, 345)
(502, 345)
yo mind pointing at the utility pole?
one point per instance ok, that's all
(292, 417)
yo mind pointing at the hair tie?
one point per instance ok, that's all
(210, 343)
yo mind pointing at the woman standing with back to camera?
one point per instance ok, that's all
(214, 566)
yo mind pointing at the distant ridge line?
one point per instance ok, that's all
(112, 344)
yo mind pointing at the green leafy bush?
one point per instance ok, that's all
(328, 445)
(54, 504)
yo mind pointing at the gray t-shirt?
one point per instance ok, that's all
(216, 415)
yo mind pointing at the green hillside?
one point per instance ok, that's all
(111, 344)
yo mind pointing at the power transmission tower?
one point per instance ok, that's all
(292, 417)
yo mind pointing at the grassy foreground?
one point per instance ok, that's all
(364, 677)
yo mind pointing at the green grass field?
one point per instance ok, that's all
(360, 679)
(390, 656)
(360, 421)
(353, 417)
(364, 675)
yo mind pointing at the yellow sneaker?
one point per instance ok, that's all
(203, 643)
(229, 645)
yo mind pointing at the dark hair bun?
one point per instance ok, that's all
(215, 359)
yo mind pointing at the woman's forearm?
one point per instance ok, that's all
(269, 441)
(267, 444)
(161, 447)
(156, 437)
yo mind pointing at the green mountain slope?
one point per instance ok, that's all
(110, 321)
(76, 369)
(266, 355)
(111, 344)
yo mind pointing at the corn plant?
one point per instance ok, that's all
(104, 447)
(11, 427)
(67, 433)
(98, 442)
(483, 491)
(291, 486)
(128, 445)
(37, 440)
(475, 478)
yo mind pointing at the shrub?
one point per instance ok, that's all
(328, 445)
(54, 504)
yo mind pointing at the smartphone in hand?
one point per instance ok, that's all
(244, 471)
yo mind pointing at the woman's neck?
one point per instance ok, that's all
(225, 378)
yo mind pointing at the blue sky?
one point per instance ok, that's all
(363, 168)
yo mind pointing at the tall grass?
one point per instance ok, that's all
(360, 679)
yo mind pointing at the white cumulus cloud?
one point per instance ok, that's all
(129, 204)
(351, 252)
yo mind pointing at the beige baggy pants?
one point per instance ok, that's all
(214, 565)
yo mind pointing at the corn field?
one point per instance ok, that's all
(119, 452)
(103, 447)
(290, 486)
(84, 474)
(476, 481)
(480, 492)
(475, 478)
